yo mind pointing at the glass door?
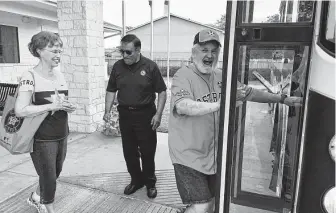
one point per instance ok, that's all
(267, 47)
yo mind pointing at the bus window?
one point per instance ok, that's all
(327, 30)
(278, 11)
(330, 29)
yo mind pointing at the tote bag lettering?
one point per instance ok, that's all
(17, 133)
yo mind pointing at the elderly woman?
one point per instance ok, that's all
(44, 89)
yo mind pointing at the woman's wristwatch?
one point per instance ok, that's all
(283, 97)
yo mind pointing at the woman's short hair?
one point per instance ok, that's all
(132, 38)
(41, 40)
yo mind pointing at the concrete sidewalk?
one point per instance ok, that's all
(88, 154)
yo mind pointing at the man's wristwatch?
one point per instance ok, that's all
(283, 97)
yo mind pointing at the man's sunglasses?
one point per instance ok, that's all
(128, 52)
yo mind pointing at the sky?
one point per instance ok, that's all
(203, 11)
(138, 11)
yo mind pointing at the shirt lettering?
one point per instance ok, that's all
(26, 82)
(208, 97)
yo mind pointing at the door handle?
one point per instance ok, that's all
(332, 148)
(257, 34)
(251, 33)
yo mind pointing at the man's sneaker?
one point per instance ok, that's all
(32, 202)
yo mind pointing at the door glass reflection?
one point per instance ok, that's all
(267, 135)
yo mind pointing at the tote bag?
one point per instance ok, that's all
(17, 133)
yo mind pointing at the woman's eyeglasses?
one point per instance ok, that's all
(128, 52)
(55, 51)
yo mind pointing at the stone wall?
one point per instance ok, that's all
(81, 29)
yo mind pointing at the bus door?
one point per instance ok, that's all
(267, 47)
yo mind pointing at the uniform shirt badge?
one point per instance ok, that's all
(182, 92)
(143, 73)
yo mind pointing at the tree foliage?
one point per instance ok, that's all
(306, 9)
(220, 23)
(273, 18)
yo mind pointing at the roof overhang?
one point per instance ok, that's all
(45, 10)
(111, 28)
(35, 9)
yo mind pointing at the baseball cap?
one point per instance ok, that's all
(205, 36)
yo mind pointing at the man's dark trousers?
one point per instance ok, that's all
(136, 131)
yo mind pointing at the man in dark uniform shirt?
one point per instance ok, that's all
(137, 79)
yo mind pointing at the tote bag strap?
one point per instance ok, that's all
(17, 90)
(34, 85)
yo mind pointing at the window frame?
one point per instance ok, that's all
(326, 45)
(18, 44)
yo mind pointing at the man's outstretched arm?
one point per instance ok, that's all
(195, 108)
(264, 97)
(267, 97)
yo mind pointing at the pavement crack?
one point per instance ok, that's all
(18, 173)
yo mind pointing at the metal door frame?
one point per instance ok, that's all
(232, 42)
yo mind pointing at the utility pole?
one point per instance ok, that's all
(123, 19)
(152, 29)
(167, 4)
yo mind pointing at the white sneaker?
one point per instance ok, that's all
(42, 209)
(36, 204)
(32, 202)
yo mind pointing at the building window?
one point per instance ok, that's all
(9, 44)
(327, 30)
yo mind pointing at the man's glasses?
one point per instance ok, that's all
(55, 51)
(128, 52)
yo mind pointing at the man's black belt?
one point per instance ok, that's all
(137, 107)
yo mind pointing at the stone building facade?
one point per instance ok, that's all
(80, 25)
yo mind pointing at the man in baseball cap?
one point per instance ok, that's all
(194, 121)
(205, 36)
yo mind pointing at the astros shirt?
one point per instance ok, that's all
(193, 140)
